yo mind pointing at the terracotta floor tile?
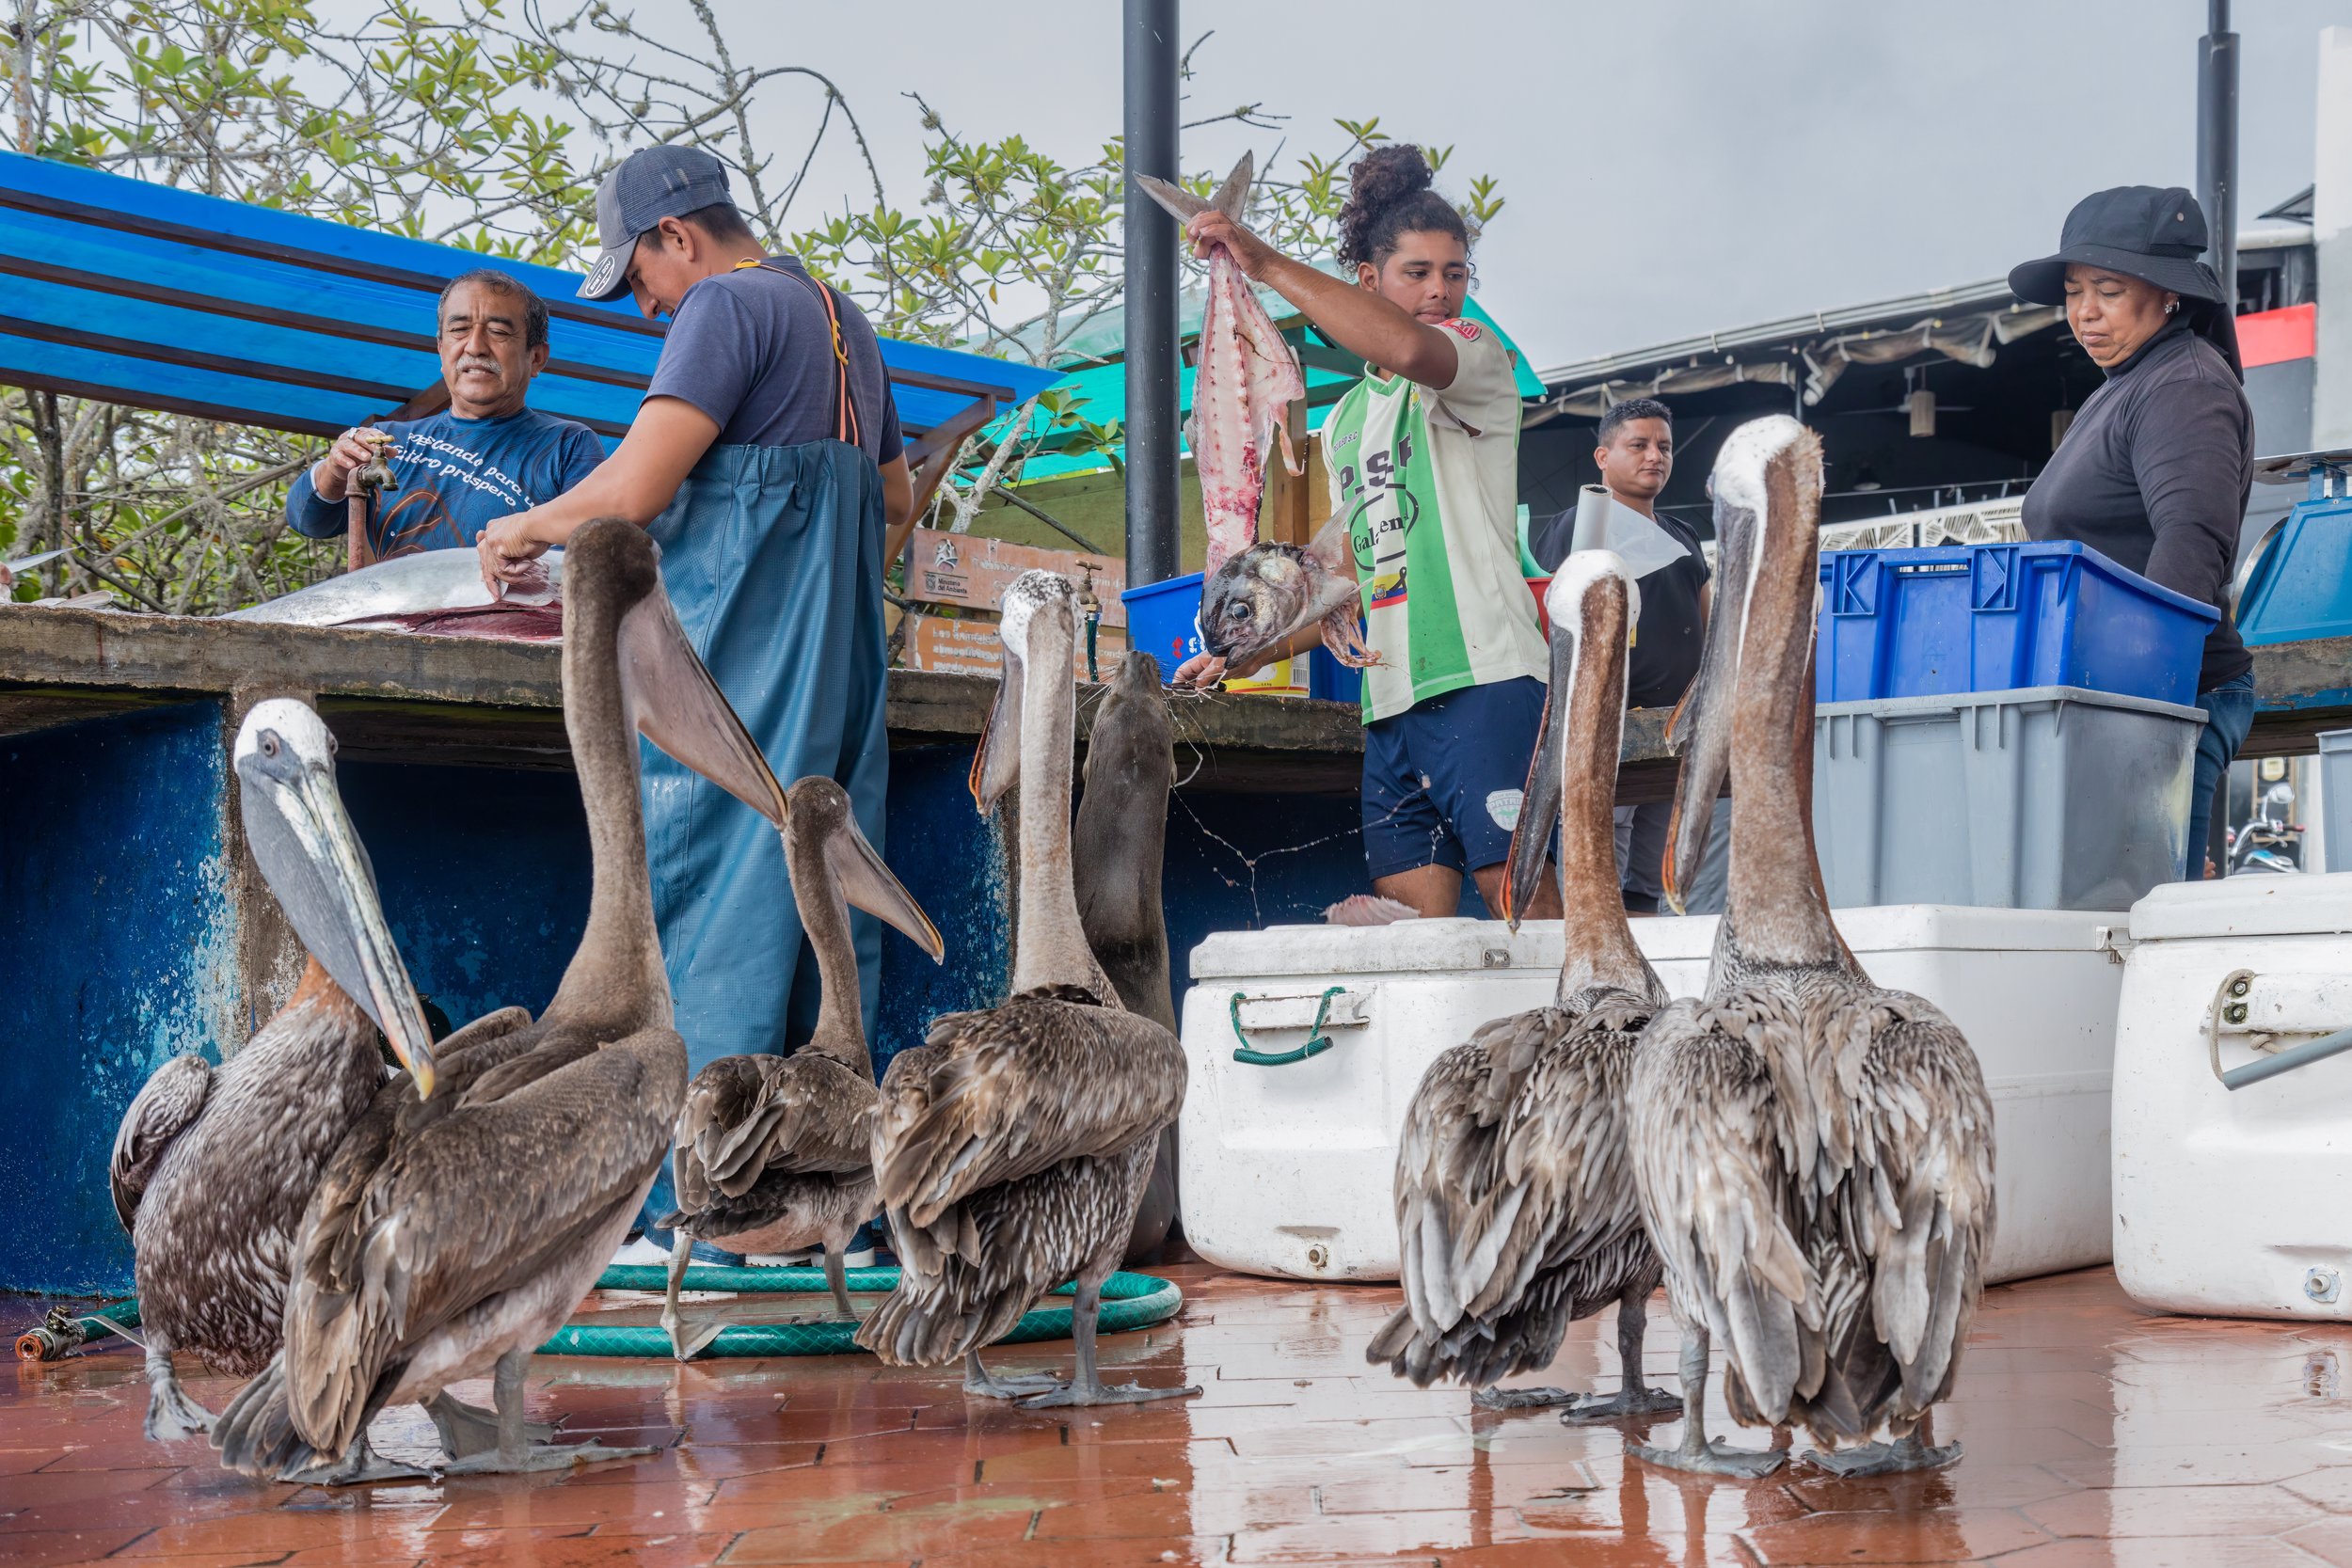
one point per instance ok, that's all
(47, 1547)
(2329, 1540)
(2094, 1433)
(2125, 1511)
(2186, 1552)
(1957, 1535)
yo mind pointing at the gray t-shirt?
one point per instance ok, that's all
(753, 350)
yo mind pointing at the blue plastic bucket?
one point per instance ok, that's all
(1996, 617)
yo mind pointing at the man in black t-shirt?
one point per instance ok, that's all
(1635, 453)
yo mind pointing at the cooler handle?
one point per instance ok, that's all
(2229, 993)
(1317, 1041)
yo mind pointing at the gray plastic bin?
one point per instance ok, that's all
(2042, 797)
(2335, 799)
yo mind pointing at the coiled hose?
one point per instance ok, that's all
(1129, 1301)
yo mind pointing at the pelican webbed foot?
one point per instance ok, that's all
(1521, 1399)
(1911, 1452)
(359, 1467)
(1088, 1387)
(688, 1339)
(1630, 1403)
(469, 1429)
(172, 1414)
(979, 1381)
(512, 1452)
(1083, 1391)
(1694, 1453)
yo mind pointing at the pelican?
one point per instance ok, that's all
(451, 1236)
(1116, 853)
(776, 1153)
(211, 1167)
(1814, 1153)
(1014, 1144)
(1515, 1202)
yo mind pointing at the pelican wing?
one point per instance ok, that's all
(1921, 1195)
(993, 1097)
(1713, 1160)
(422, 1216)
(746, 1116)
(1445, 1166)
(168, 1107)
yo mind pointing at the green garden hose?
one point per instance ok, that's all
(1129, 1301)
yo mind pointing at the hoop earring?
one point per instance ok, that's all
(2171, 306)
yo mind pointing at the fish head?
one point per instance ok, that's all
(1268, 591)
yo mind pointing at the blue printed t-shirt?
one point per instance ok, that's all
(452, 478)
(752, 349)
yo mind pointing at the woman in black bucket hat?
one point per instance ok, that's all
(2154, 470)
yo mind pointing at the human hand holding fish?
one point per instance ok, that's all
(510, 555)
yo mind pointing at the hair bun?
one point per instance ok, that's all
(1383, 186)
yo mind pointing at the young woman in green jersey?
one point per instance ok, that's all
(1423, 455)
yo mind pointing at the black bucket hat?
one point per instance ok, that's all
(2142, 232)
(2145, 232)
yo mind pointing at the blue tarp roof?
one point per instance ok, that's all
(161, 298)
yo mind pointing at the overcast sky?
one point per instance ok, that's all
(1671, 166)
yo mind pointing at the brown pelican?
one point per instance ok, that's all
(213, 1166)
(1014, 1144)
(1115, 853)
(1515, 1202)
(1814, 1153)
(776, 1153)
(451, 1236)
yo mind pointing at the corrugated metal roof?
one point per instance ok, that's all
(163, 298)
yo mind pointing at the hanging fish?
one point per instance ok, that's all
(1244, 385)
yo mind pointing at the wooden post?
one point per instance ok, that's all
(1288, 516)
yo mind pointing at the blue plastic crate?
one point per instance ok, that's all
(2301, 586)
(1996, 617)
(1164, 618)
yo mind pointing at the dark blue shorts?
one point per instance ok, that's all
(1442, 780)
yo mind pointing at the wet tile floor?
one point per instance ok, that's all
(2095, 1435)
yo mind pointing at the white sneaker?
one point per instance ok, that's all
(782, 1259)
(641, 1253)
(863, 1259)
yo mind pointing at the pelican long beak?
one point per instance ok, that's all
(681, 709)
(870, 885)
(996, 763)
(1539, 803)
(330, 898)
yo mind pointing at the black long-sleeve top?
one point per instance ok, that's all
(2154, 474)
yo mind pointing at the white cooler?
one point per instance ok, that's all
(1289, 1158)
(2235, 1202)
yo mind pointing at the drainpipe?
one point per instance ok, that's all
(2217, 144)
(1152, 271)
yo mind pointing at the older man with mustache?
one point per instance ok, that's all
(484, 457)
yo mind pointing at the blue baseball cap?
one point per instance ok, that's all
(650, 185)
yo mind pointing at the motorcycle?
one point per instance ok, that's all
(2270, 842)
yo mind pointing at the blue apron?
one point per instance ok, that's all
(772, 556)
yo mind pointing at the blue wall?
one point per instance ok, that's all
(116, 952)
(483, 874)
(118, 940)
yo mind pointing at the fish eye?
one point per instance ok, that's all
(1243, 613)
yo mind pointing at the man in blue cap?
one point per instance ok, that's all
(767, 461)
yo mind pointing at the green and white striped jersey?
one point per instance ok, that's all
(1428, 483)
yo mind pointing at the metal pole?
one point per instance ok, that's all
(2217, 144)
(1152, 271)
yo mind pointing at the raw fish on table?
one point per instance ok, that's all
(1244, 385)
(438, 592)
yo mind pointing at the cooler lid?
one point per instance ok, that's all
(1458, 947)
(2249, 906)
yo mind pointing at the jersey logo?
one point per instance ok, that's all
(1469, 331)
